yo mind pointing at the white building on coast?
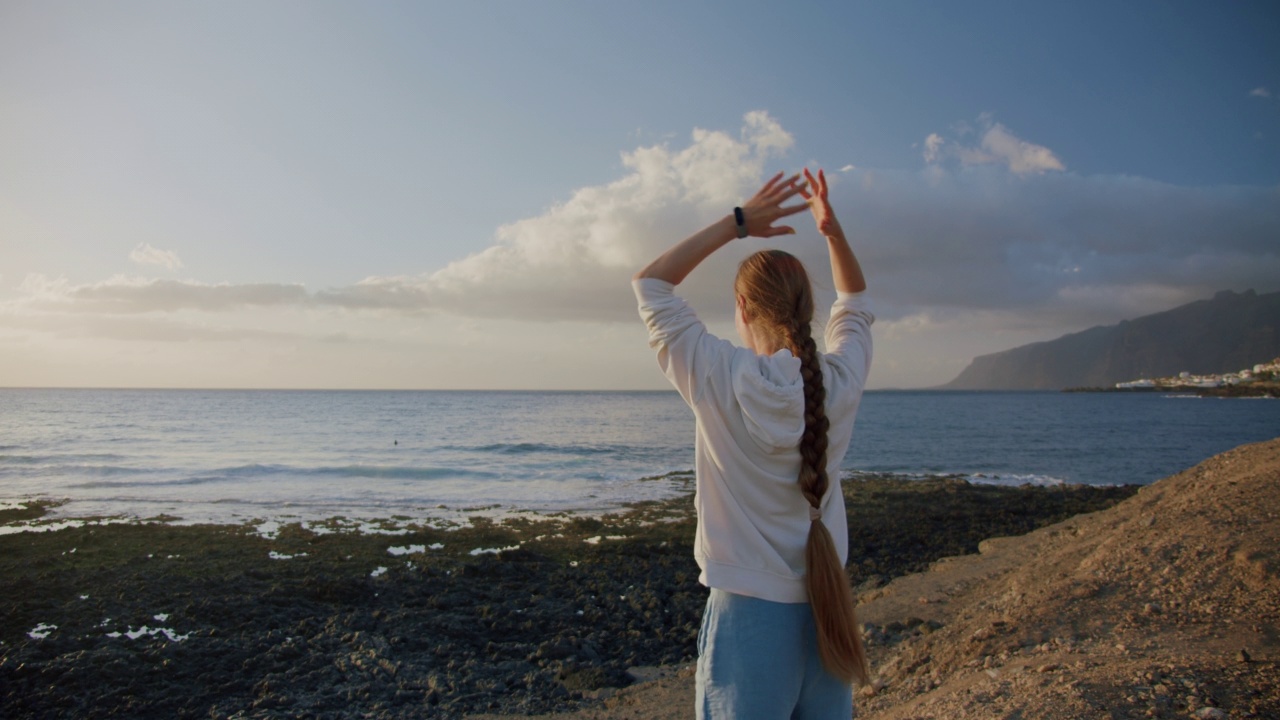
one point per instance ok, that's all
(1189, 380)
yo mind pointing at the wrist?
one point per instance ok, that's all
(722, 231)
(739, 223)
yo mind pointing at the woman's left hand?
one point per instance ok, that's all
(766, 207)
(816, 194)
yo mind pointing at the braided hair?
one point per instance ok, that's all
(779, 298)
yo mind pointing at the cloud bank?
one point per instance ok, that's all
(991, 243)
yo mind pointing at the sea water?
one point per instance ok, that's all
(231, 456)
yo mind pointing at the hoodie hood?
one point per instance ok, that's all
(770, 391)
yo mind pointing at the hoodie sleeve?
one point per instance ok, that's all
(849, 335)
(686, 351)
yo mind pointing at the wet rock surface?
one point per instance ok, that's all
(521, 616)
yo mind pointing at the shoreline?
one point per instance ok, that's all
(44, 512)
(1252, 390)
(514, 616)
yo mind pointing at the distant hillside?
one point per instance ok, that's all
(1227, 333)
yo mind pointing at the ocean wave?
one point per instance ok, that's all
(59, 459)
(57, 471)
(248, 473)
(22, 459)
(976, 478)
(1014, 479)
(539, 448)
(105, 484)
(400, 473)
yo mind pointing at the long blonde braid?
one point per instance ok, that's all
(777, 291)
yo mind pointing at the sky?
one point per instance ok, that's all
(455, 195)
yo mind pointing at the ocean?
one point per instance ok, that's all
(238, 455)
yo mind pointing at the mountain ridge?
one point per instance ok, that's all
(1221, 334)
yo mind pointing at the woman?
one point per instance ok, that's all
(779, 638)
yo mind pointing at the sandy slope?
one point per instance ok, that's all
(1142, 610)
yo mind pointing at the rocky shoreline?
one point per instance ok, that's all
(531, 614)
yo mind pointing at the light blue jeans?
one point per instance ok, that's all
(758, 660)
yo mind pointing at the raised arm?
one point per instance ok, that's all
(846, 272)
(759, 215)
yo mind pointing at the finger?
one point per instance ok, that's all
(792, 209)
(777, 189)
(780, 230)
(769, 185)
(813, 185)
(822, 184)
(763, 193)
(788, 191)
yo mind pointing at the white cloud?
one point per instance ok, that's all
(124, 295)
(999, 146)
(932, 147)
(375, 293)
(1260, 92)
(963, 258)
(1020, 156)
(144, 254)
(575, 260)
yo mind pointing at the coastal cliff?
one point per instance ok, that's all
(1223, 334)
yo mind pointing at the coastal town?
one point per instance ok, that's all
(1261, 379)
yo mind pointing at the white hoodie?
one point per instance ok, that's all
(752, 519)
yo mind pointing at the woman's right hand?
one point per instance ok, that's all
(758, 215)
(765, 207)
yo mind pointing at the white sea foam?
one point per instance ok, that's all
(1014, 479)
(492, 551)
(268, 530)
(41, 631)
(410, 550)
(146, 631)
(56, 525)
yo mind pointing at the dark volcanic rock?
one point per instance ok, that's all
(158, 621)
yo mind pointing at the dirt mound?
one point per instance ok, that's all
(1165, 605)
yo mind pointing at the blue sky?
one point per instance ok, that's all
(316, 194)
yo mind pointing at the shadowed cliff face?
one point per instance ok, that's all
(1230, 332)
